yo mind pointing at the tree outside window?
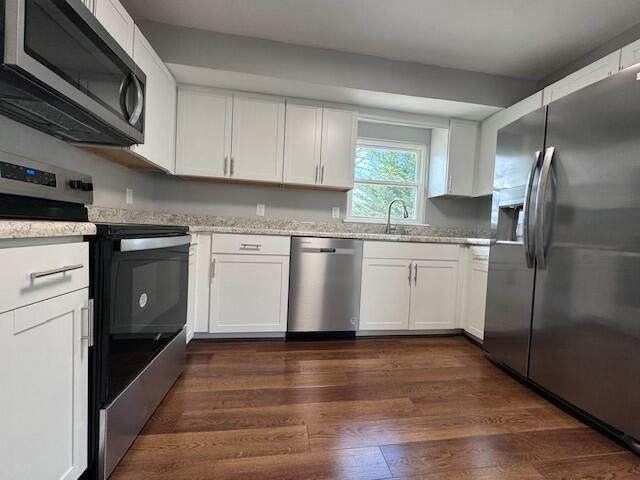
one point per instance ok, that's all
(385, 171)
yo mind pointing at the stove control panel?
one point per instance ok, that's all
(30, 178)
(26, 174)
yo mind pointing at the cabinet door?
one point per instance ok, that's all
(339, 132)
(302, 142)
(115, 19)
(434, 295)
(191, 296)
(630, 55)
(203, 283)
(476, 298)
(463, 148)
(43, 405)
(385, 296)
(203, 132)
(258, 139)
(593, 73)
(160, 107)
(249, 293)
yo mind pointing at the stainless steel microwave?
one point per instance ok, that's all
(63, 73)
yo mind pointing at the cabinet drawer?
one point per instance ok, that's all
(250, 244)
(411, 251)
(33, 274)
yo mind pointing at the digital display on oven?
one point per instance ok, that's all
(20, 173)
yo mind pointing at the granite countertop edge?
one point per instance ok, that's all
(12, 229)
(351, 235)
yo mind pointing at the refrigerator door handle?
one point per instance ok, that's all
(540, 207)
(529, 253)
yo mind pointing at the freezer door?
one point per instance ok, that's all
(585, 345)
(511, 272)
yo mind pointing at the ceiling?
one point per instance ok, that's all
(517, 38)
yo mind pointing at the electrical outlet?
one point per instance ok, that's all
(260, 210)
(129, 196)
(335, 212)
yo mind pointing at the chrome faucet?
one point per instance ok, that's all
(405, 213)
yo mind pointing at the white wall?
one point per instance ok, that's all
(110, 180)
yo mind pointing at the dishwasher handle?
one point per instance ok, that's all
(337, 251)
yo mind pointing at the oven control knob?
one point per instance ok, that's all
(87, 186)
(75, 184)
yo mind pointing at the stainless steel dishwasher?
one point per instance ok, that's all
(324, 285)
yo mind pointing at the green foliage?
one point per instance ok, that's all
(380, 164)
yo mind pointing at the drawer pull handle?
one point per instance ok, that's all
(251, 246)
(46, 273)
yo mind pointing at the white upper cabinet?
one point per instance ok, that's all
(489, 139)
(117, 21)
(319, 146)
(160, 107)
(585, 76)
(453, 159)
(89, 4)
(257, 146)
(302, 143)
(203, 143)
(630, 55)
(339, 134)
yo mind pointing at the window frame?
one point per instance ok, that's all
(420, 183)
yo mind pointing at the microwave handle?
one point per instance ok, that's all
(132, 118)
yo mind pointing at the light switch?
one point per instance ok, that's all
(335, 212)
(260, 210)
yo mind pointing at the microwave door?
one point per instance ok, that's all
(61, 45)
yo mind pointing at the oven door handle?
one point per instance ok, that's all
(137, 244)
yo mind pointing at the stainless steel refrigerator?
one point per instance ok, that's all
(563, 298)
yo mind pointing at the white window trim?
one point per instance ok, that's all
(421, 184)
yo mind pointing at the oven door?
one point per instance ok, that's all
(60, 45)
(147, 306)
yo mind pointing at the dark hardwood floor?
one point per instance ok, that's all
(409, 408)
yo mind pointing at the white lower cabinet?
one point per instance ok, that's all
(249, 293)
(416, 290)
(434, 295)
(44, 400)
(191, 294)
(249, 283)
(385, 295)
(475, 291)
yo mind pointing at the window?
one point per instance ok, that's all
(384, 171)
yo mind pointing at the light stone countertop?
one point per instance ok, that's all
(334, 234)
(15, 229)
(40, 229)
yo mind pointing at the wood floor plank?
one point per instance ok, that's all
(354, 464)
(519, 472)
(622, 466)
(285, 380)
(279, 415)
(350, 434)
(495, 450)
(191, 447)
